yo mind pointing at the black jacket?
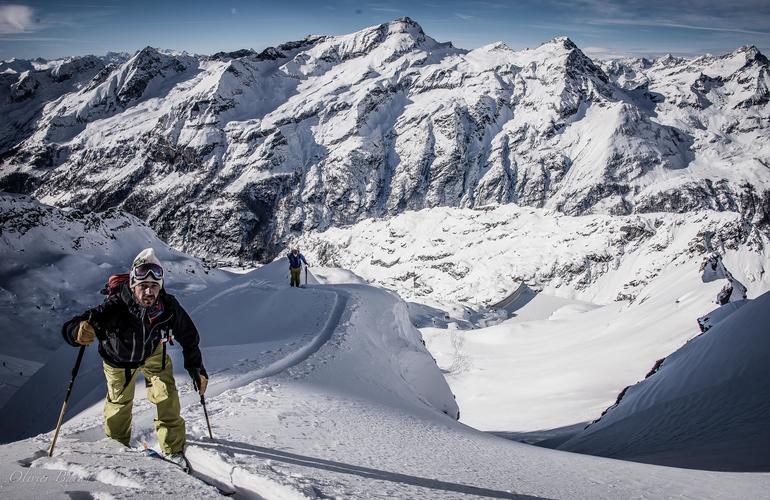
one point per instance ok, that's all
(126, 337)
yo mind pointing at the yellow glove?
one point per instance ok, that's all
(199, 380)
(86, 333)
(203, 383)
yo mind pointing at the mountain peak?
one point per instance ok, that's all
(405, 25)
(752, 53)
(306, 42)
(147, 51)
(407, 21)
(394, 37)
(669, 60)
(562, 41)
(497, 46)
(237, 54)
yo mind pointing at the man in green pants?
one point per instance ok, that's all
(132, 326)
(295, 266)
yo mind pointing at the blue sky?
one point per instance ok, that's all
(602, 28)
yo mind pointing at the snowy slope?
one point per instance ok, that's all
(556, 361)
(27, 87)
(346, 420)
(707, 405)
(551, 366)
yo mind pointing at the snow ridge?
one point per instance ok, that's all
(692, 411)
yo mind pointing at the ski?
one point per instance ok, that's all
(187, 468)
(154, 454)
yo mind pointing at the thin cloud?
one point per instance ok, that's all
(656, 24)
(464, 17)
(44, 39)
(711, 28)
(739, 16)
(17, 19)
(382, 8)
(604, 53)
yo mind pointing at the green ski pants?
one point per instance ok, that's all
(161, 390)
(295, 272)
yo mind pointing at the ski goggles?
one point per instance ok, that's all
(144, 272)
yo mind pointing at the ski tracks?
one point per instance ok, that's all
(291, 357)
(96, 469)
(213, 467)
(251, 391)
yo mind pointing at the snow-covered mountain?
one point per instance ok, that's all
(562, 225)
(229, 155)
(539, 320)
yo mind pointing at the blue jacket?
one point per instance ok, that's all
(295, 261)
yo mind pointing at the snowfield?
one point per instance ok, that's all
(329, 392)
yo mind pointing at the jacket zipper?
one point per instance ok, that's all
(133, 338)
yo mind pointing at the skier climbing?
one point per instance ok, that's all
(132, 327)
(295, 265)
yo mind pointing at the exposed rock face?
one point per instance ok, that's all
(27, 87)
(229, 155)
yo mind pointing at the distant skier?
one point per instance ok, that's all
(132, 326)
(295, 265)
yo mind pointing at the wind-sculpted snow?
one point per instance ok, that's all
(228, 156)
(706, 406)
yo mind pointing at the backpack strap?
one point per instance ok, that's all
(166, 337)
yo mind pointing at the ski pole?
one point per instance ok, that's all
(206, 414)
(66, 399)
(305, 274)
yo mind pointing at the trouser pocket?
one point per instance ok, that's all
(157, 390)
